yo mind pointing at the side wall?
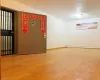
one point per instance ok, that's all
(55, 35)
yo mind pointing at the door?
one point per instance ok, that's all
(7, 32)
(38, 42)
(33, 40)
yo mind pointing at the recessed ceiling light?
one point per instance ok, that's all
(79, 15)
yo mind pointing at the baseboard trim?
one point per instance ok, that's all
(56, 48)
(91, 48)
(83, 47)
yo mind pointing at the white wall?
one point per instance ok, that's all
(56, 33)
(60, 33)
(89, 38)
(55, 26)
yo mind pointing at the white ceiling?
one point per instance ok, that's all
(66, 9)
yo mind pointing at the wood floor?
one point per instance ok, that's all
(63, 64)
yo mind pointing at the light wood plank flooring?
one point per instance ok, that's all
(62, 64)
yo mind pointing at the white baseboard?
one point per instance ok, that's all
(57, 48)
(84, 47)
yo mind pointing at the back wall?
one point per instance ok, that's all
(89, 38)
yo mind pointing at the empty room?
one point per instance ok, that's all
(50, 39)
